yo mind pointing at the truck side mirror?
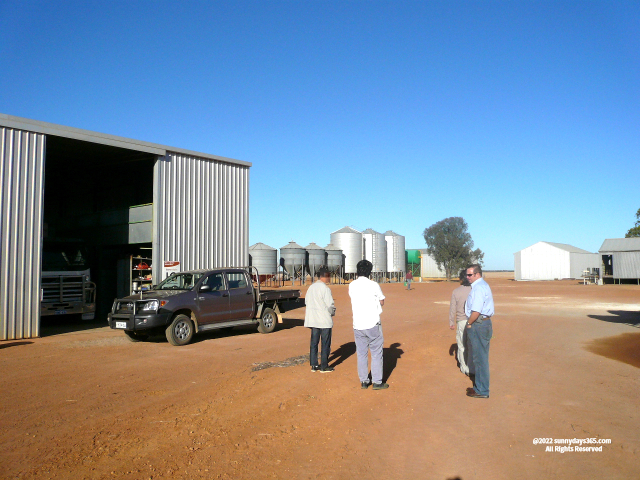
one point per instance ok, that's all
(205, 288)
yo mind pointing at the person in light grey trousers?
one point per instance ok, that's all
(367, 300)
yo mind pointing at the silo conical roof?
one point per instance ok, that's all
(347, 230)
(292, 245)
(391, 233)
(332, 247)
(261, 246)
(371, 231)
(313, 246)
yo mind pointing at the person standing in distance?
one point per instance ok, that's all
(458, 320)
(367, 301)
(318, 317)
(479, 310)
(409, 277)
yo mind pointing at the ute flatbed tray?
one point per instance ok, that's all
(268, 295)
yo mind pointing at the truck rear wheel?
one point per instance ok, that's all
(136, 337)
(180, 332)
(267, 321)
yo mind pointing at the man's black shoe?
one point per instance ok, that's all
(315, 368)
(364, 385)
(380, 386)
(475, 394)
(327, 370)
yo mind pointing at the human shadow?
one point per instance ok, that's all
(391, 355)
(453, 352)
(343, 352)
(13, 344)
(626, 317)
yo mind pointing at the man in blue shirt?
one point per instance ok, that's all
(479, 310)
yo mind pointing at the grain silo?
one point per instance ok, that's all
(375, 249)
(292, 257)
(349, 240)
(265, 259)
(395, 252)
(335, 261)
(316, 257)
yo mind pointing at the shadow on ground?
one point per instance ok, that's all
(57, 325)
(13, 344)
(626, 317)
(390, 355)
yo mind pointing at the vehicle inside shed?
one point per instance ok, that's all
(97, 215)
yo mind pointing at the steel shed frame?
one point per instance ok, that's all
(200, 212)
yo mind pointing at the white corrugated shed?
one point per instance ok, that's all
(553, 261)
(428, 266)
(625, 253)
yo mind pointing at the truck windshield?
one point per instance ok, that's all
(64, 256)
(180, 281)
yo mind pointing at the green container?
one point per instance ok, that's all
(413, 256)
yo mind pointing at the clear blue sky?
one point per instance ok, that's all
(523, 117)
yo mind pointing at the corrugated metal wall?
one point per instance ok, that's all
(517, 266)
(583, 261)
(201, 213)
(21, 202)
(544, 262)
(626, 264)
(429, 267)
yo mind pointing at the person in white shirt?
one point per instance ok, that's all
(318, 317)
(367, 301)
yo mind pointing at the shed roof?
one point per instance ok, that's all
(45, 128)
(562, 246)
(621, 245)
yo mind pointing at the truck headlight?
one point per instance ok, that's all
(150, 306)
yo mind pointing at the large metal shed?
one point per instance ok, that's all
(118, 193)
(553, 261)
(621, 258)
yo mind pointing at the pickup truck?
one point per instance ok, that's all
(187, 303)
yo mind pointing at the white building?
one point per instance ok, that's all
(428, 266)
(621, 258)
(553, 261)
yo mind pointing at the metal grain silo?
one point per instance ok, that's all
(294, 258)
(375, 249)
(265, 259)
(395, 252)
(349, 240)
(334, 257)
(316, 258)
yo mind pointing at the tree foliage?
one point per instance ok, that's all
(635, 231)
(451, 246)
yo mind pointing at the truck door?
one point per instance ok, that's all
(241, 302)
(213, 299)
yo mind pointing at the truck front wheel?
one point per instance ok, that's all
(267, 321)
(180, 332)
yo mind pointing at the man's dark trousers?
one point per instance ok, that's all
(479, 336)
(316, 335)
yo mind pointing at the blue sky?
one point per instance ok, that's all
(521, 117)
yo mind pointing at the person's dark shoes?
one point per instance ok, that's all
(315, 368)
(327, 370)
(380, 386)
(474, 394)
(364, 385)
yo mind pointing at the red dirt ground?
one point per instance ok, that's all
(564, 364)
